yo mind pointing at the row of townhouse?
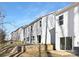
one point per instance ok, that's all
(38, 31)
(18, 34)
(60, 28)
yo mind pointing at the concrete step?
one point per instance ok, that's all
(61, 53)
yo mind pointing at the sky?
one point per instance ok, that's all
(18, 14)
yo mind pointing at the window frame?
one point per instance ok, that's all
(61, 17)
(40, 23)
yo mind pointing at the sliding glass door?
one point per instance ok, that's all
(66, 43)
(62, 43)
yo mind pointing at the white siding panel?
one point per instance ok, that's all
(51, 21)
(43, 30)
(76, 26)
(61, 30)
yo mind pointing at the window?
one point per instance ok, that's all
(61, 20)
(66, 43)
(62, 43)
(33, 38)
(27, 38)
(39, 38)
(31, 28)
(40, 24)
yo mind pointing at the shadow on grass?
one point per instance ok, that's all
(48, 54)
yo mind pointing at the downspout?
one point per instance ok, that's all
(46, 33)
(55, 30)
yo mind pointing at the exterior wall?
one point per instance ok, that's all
(36, 30)
(14, 36)
(43, 30)
(49, 22)
(20, 34)
(39, 29)
(27, 35)
(47, 33)
(61, 30)
(70, 28)
(76, 27)
(17, 35)
(35, 33)
(51, 31)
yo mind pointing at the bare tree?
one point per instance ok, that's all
(2, 36)
(2, 31)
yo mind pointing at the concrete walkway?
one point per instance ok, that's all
(52, 53)
(61, 53)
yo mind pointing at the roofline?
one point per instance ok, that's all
(39, 19)
(17, 29)
(60, 11)
(57, 12)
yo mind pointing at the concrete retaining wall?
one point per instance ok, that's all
(38, 47)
